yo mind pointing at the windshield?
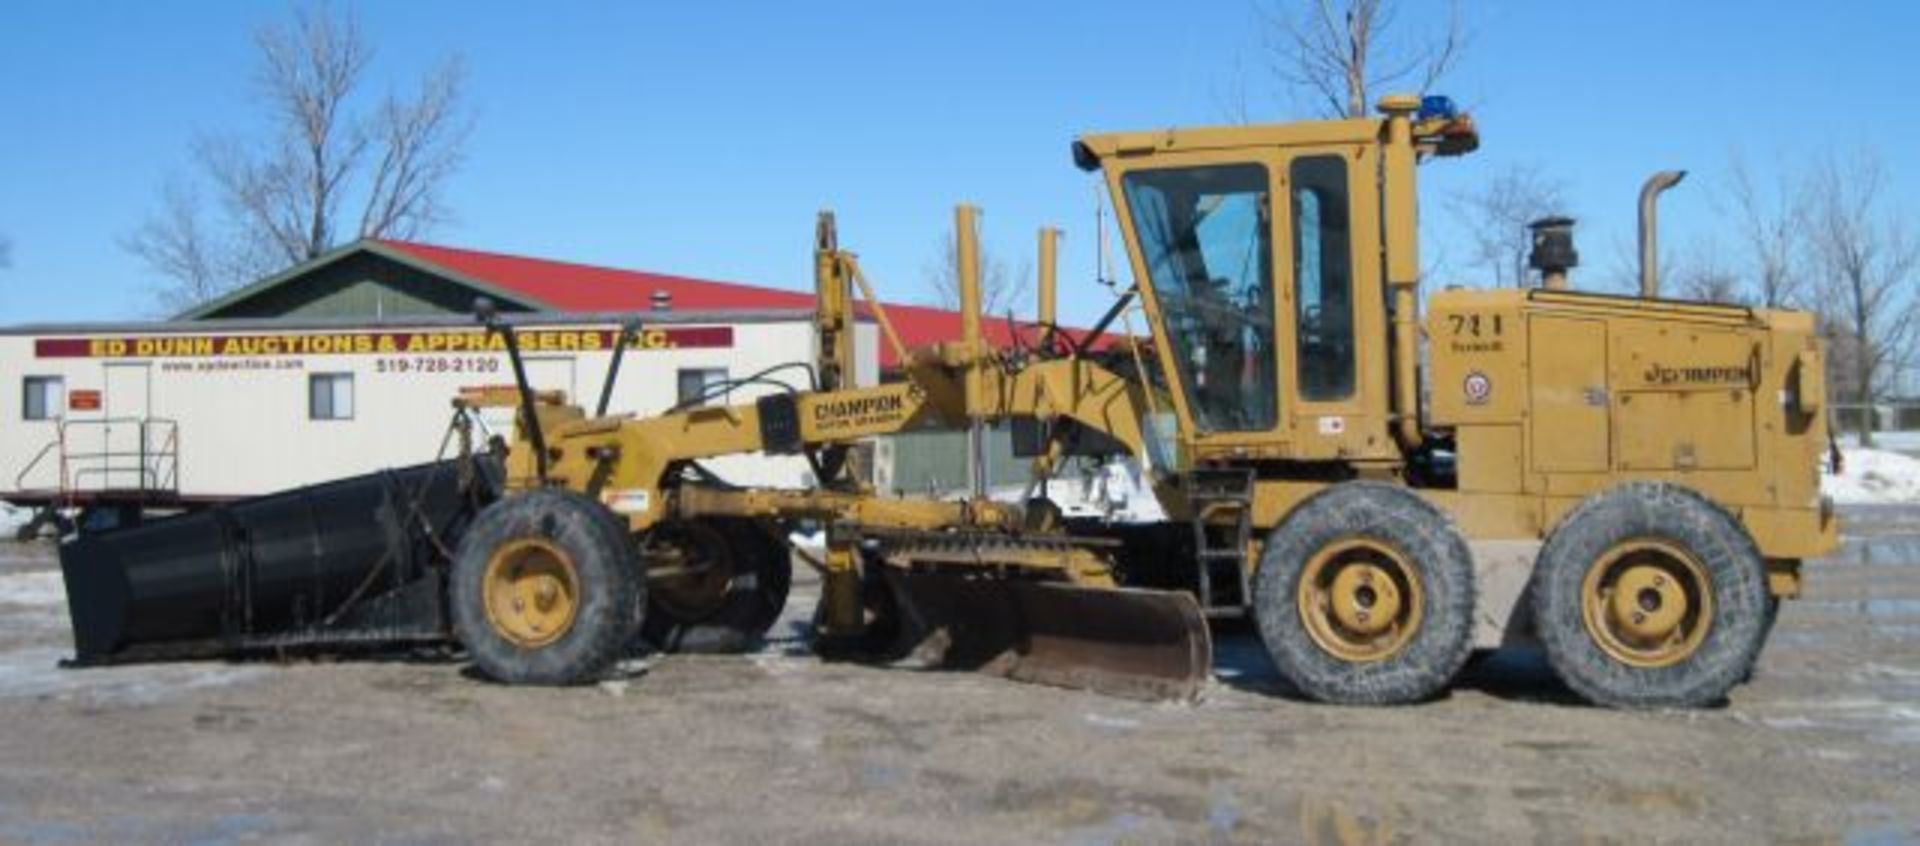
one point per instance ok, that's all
(1204, 234)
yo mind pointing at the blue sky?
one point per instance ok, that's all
(700, 138)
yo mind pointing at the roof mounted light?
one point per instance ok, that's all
(1439, 127)
(1437, 106)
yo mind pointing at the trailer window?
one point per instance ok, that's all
(42, 397)
(1322, 278)
(701, 385)
(330, 396)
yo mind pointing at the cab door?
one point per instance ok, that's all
(1333, 344)
(1201, 233)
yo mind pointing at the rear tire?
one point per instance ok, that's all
(1365, 596)
(743, 600)
(546, 589)
(1623, 565)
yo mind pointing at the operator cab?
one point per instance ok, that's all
(1258, 252)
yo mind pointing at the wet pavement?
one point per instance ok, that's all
(1821, 747)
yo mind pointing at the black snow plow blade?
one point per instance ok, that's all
(354, 562)
(1125, 642)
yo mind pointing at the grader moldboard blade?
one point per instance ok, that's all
(1126, 642)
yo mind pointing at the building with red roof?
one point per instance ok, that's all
(354, 355)
(388, 279)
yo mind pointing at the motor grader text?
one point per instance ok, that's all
(1630, 482)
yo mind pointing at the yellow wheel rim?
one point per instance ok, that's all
(1647, 603)
(531, 591)
(1361, 600)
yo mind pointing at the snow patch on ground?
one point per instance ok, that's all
(1119, 491)
(36, 672)
(12, 517)
(38, 589)
(1873, 477)
(33, 629)
(1907, 442)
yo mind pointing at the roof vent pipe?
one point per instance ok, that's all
(1649, 229)
(662, 300)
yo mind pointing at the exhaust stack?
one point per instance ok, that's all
(1649, 229)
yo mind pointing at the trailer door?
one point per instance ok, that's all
(125, 461)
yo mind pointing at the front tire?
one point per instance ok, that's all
(546, 589)
(1365, 596)
(1650, 596)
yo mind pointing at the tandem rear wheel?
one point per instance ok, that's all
(715, 586)
(546, 589)
(1648, 595)
(1365, 596)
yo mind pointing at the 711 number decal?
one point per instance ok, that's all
(1476, 325)
(1477, 333)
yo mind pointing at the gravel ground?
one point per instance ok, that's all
(1822, 746)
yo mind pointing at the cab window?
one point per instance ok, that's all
(1323, 278)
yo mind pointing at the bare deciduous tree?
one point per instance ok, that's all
(1704, 276)
(1230, 100)
(1499, 211)
(281, 195)
(1769, 227)
(177, 243)
(1001, 289)
(420, 144)
(1623, 274)
(1867, 259)
(1339, 53)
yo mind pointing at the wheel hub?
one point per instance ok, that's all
(531, 592)
(1364, 599)
(1647, 603)
(1360, 600)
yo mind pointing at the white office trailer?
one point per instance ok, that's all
(181, 413)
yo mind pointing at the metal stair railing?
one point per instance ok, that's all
(152, 462)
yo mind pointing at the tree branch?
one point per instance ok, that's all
(279, 194)
(1339, 52)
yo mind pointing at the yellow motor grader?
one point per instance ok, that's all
(1631, 483)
